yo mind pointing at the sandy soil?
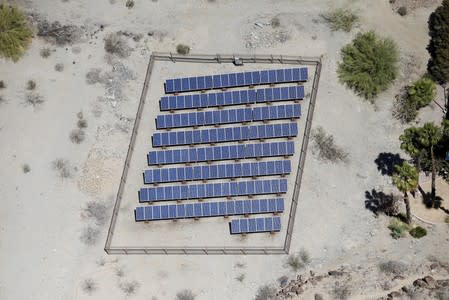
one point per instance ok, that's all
(42, 217)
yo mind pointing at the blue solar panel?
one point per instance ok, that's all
(253, 225)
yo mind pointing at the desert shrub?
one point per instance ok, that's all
(77, 136)
(59, 67)
(114, 43)
(295, 262)
(34, 99)
(398, 228)
(241, 277)
(341, 19)
(62, 166)
(402, 11)
(438, 65)
(129, 4)
(421, 92)
(305, 256)
(2, 84)
(26, 168)
(15, 35)
(89, 235)
(58, 33)
(31, 85)
(129, 287)
(182, 49)
(185, 295)
(89, 286)
(275, 22)
(82, 123)
(392, 267)
(266, 292)
(45, 52)
(418, 232)
(325, 146)
(369, 64)
(341, 291)
(97, 211)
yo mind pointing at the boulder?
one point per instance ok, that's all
(420, 283)
(430, 281)
(335, 273)
(394, 295)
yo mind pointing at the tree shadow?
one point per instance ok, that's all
(386, 161)
(379, 202)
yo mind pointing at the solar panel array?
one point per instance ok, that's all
(210, 178)
(217, 153)
(231, 98)
(229, 116)
(230, 134)
(213, 190)
(236, 170)
(253, 225)
(209, 209)
(235, 80)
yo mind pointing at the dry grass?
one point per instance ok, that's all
(31, 85)
(326, 148)
(96, 211)
(241, 277)
(82, 123)
(59, 67)
(341, 19)
(129, 287)
(93, 76)
(26, 168)
(45, 52)
(62, 166)
(185, 295)
(89, 235)
(114, 43)
(77, 136)
(34, 99)
(392, 267)
(89, 286)
(341, 291)
(182, 49)
(266, 292)
(129, 4)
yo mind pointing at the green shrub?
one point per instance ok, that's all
(15, 35)
(438, 48)
(398, 228)
(422, 92)
(370, 64)
(418, 232)
(340, 19)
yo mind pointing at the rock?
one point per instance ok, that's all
(312, 273)
(430, 281)
(443, 283)
(434, 266)
(406, 289)
(420, 283)
(394, 295)
(335, 273)
(299, 290)
(318, 297)
(259, 24)
(319, 277)
(398, 277)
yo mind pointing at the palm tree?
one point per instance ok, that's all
(430, 135)
(405, 178)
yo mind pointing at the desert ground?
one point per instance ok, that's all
(52, 248)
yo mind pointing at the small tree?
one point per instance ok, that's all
(438, 48)
(422, 92)
(15, 35)
(369, 64)
(405, 178)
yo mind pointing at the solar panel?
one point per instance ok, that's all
(239, 97)
(253, 225)
(223, 189)
(215, 135)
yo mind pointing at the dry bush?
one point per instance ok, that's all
(240, 265)
(305, 256)
(404, 110)
(182, 49)
(90, 235)
(45, 52)
(26, 168)
(97, 211)
(129, 4)
(295, 262)
(341, 19)
(93, 76)
(89, 286)
(266, 292)
(59, 67)
(392, 267)
(129, 287)
(324, 144)
(82, 123)
(241, 277)
(185, 295)
(119, 272)
(2, 85)
(2, 100)
(31, 85)
(341, 291)
(77, 136)
(34, 99)
(115, 44)
(62, 166)
(402, 11)
(58, 33)
(275, 22)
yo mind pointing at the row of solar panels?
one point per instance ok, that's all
(235, 80)
(229, 116)
(253, 225)
(213, 190)
(236, 170)
(242, 151)
(209, 209)
(231, 98)
(218, 135)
